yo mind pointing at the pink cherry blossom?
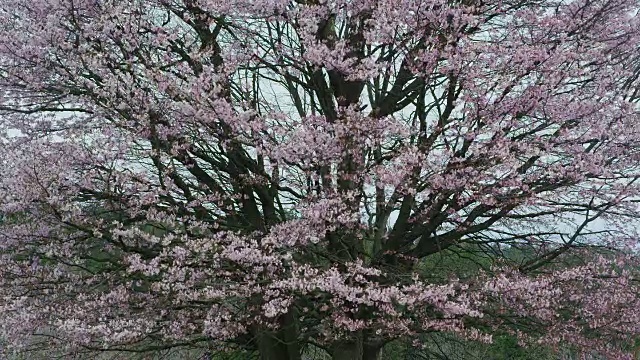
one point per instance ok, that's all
(270, 174)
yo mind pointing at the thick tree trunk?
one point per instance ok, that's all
(272, 348)
(347, 351)
(283, 344)
(371, 352)
(357, 349)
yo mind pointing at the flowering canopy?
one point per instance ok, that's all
(274, 174)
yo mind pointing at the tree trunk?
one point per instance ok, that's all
(351, 350)
(283, 344)
(357, 349)
(371, 352)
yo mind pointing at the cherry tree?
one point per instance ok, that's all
(272, 175)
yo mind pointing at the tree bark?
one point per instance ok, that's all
(283, 344)
(351, 350)
(272, 348)
(371, 352)
(357, 349)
